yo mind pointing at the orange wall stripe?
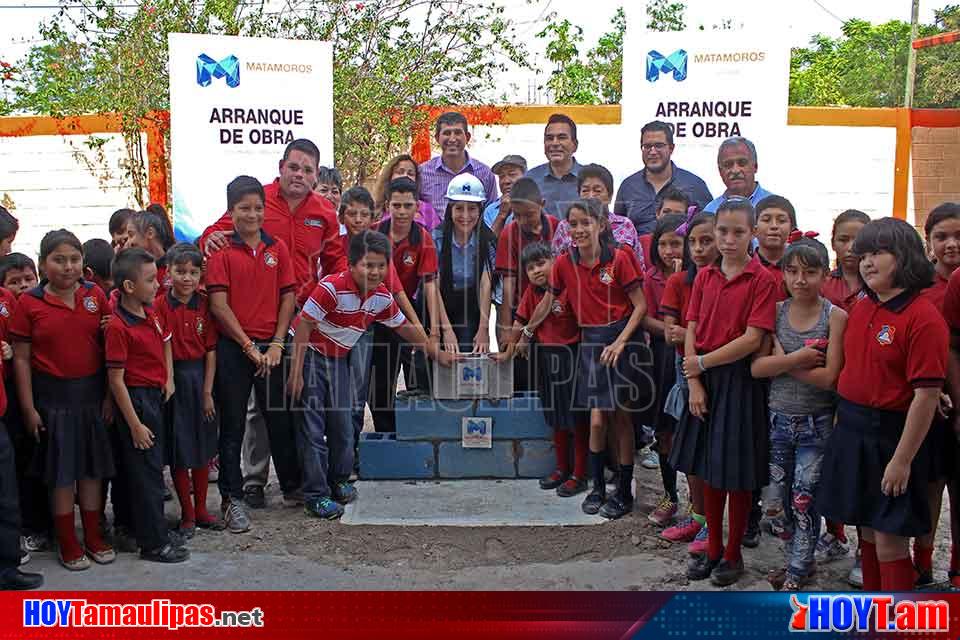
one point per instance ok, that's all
(937, 40)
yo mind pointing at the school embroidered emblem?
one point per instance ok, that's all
(885, 337)
(313, 222)
(269, 259)
(4, 311)
(557, 307)
(200, 327)
(90, 304)
(408, 259)
(606, 277)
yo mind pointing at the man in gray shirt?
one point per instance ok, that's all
(557, 178)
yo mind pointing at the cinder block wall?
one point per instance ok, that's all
(935, 162)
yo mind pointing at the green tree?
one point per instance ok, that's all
(390, 56)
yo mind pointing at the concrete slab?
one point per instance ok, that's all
(464, 503)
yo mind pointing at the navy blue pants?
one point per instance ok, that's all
(326, 433)
(9, 509)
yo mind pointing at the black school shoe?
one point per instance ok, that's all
(701, 566)
(254, 497)
(167, 554)
(553, 481)
(615, 507)
(593, 502)
(16, 580)
(726, 573)
(571, 487)
(751, 538)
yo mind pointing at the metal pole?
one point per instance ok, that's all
(912, 56)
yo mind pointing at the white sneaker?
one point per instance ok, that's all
(855, 577)
(830, 548)
(649, 459)
(236, 518)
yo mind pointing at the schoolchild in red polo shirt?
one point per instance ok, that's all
(604, 286)
(776, 218)
(192, 427)
(531, 223)
(556, 342)
(844, 287)
(336, 315)
(700, 248)
(875, 469)
(666, 259)
(415, 257)
(951, 312)
(139, 368)
(669, 202)
(251, 286)
(722, 435)
(58, 362)
(942, 231)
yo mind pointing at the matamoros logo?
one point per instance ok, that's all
(675, 63)
(208, 69)
(863, 612)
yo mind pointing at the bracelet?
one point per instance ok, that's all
(247, 346)
(700, 364)
(278, 344)
(527, 333)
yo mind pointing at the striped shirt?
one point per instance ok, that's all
(435, 176)
(342, 314)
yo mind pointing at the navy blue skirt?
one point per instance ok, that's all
(729, 450)
(665, 375)
(74, 444)
(191, 439)
(627, 386)
(861, 446)
(557, 371)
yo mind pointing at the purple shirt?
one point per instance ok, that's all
(435, 176)
(623, 232)
(426, 215)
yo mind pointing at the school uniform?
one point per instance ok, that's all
(729, 449)
(192, 440)
(9, 505)
(775, 269)
(136, 345)
(664, 364)
(555, 349)
(342, 314)
(415, 260)
(600, 298)
(510, 245)
(891, 349)
(835, 290)
(254, 281)
(68, 382)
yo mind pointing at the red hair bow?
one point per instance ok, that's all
(796, 234)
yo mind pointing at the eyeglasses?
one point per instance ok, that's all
(651, 146)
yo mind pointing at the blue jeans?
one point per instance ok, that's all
(360, 359)
(797, 445)
(326, 431)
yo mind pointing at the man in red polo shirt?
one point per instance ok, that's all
(307, 224)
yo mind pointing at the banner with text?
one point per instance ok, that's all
(235, 103)
(708, 85)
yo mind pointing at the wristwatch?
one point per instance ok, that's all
(527, 333)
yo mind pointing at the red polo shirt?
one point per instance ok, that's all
(8, 304)
(414, 257)
(135, 345)
(311, 232)
(723, 309)
(892, 348)
(64, 342)
(951, 303)
(191, 324)
(511, 243)
(653, 287)
(775, 270)
(599, 295)
(835, 290)
(254, 281)
(936, 293)
(560, 326)
(342, 314)
(676, 297)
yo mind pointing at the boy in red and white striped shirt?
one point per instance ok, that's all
(334, 317)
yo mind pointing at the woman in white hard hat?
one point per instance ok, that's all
(467, 250)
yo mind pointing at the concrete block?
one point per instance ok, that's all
(927, 151)
(516, 418)
(456, 462)
(382, 457)
(428, 419)
(945, 135)
(535, 458)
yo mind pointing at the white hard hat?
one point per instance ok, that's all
(466, 188)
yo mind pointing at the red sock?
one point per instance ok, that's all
(837, 529)
(181, 482)
(897, 575)
(713, 502)
(739, 515)
(92, 536)
(200, 483)
(67, 537)
(870, 565)
(922, 557)
(561, 446)
(581, 446)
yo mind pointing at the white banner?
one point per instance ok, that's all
(235, 103)
(708, 85)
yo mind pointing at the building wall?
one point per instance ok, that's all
(935, 164)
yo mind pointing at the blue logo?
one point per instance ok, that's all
(676, 63)
(476, 428)
(208, 69)
(473, 373)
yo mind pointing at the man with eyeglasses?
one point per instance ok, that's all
(637, 196)
(737, 162)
